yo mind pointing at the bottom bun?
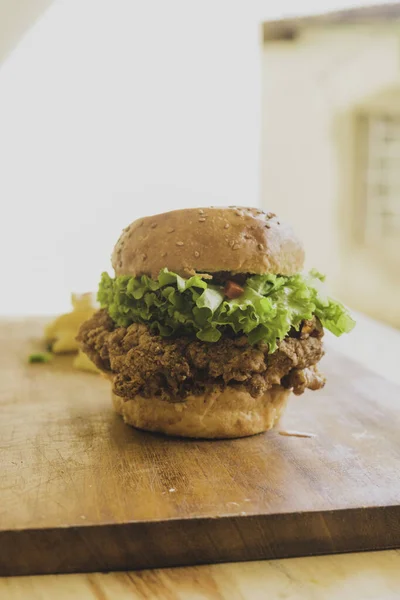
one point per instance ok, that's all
(227, 413)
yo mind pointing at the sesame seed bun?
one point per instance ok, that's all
(227, 413)
(208, 240)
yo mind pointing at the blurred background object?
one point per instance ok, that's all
(16, 17)
(331, 147)
(113, 110)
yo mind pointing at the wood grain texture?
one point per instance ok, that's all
(80, 491)
(366, 576)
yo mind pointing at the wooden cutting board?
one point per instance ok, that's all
(81, 491)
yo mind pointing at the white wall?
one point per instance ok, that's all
(112, 110)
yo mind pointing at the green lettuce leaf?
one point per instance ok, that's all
(269, 307)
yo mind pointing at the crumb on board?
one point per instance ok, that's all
(300, 434)
(40, 357)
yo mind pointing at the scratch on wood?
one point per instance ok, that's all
(96, 587)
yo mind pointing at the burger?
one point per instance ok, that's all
(210, 322)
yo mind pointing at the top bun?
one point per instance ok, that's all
(208, 240)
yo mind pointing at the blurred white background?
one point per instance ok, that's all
(114, 109)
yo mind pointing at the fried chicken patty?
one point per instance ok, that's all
(142, 362)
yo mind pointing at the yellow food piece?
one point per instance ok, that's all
(83, 301)
(83, 362)
(63, 330)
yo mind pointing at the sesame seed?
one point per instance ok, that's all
(278, 222)
(170, 229)
(260, 246)
(197, 254)
(179, 243)
(235, 247)
(202, 220)
(140, 224)
(247, 236)
(226, 226)
(267, 225)
(201, 211)
(144, 257)
(153, 225)
(239, 213)
(127, 228)
(270, 215)
(129, 234)
(163, 254)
